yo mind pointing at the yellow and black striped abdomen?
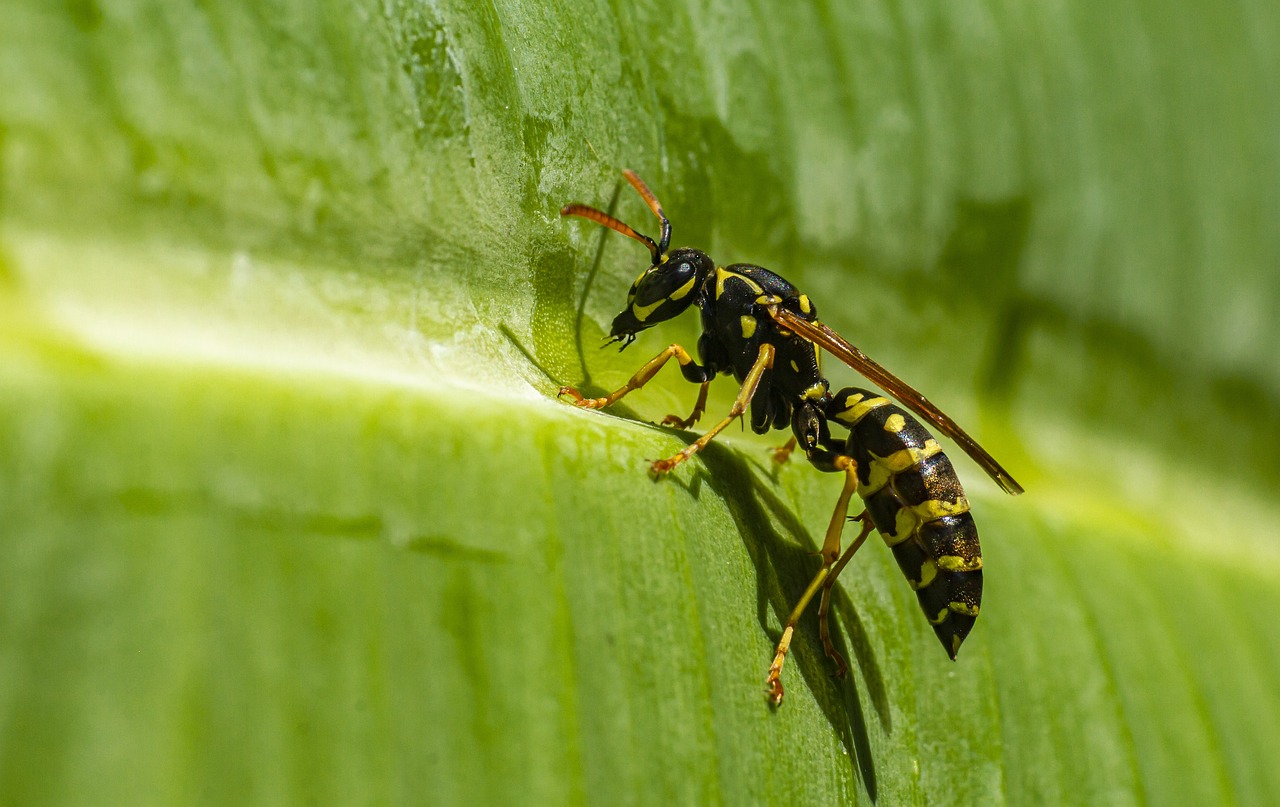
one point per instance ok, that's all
(918, 505)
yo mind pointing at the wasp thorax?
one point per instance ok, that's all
(663, 291)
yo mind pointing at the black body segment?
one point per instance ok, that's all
(763, 331)
(915, 499)
(735, 323)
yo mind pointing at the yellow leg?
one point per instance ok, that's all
(783, 453)
(824, 606)
(830, 556)
(698, 409)
(642, 377)
(763, 362)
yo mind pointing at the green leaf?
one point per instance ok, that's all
(289, 511)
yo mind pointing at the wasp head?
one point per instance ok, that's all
(663, 291)
(671, 282)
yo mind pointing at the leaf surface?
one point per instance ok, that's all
(288, 510)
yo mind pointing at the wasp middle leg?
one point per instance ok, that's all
(764, 361)
(698, 409)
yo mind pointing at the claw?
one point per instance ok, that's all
(581, 402)
(773, 686)
(842, 669)
(660, 467)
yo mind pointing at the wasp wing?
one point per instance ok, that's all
(836, 345)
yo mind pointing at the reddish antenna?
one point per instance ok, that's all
(654, 205)
(659, 249)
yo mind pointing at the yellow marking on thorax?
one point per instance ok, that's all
(748, 326)
(795, 366)
(814, 392)
(895, 423)
(805, 307)
(723, 274)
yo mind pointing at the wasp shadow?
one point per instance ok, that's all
(785, 563)
(783, 552)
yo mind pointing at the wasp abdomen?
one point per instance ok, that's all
(917, 504)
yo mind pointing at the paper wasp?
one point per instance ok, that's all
(762, 330)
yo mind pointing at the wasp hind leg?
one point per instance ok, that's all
(764, 361)
(832, 562)
(824, 605)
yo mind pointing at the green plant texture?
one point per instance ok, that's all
(289, 511)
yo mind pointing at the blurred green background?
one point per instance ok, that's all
(288, 511)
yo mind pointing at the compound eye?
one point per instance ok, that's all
(665, 282)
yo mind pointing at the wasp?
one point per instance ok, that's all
(764, 332)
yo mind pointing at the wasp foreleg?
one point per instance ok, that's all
(688, 367)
